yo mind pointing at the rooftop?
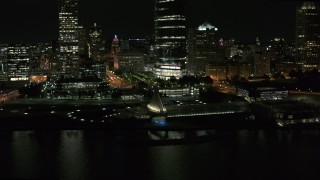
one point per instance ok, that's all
(308, 5)
(205, 26)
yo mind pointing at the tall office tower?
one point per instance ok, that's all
(308, 35)
(97, 48)
(83, 44)
(170, 37)
(69, 36)
(202, 46)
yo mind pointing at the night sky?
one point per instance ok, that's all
(36, 20)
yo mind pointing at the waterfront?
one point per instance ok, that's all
(111, 155)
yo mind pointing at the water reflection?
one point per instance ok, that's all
(72, 157)
(97, 154)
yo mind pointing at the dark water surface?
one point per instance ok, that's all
(100, 155)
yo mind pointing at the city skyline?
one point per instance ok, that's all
(36, 20)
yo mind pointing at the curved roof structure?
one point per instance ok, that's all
(205, 26)
(308, 5)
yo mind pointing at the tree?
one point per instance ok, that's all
(116, 94)
(173, 79)
(277, 75)
(207, 80)
(160, 82)
(33, 90)
(293, 74)
(266, 77)
(299, 74)
(211, 95)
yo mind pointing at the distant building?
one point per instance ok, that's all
(97, 49)
(242, 70)
(308, 35)
(286, 67)
(261, 64)
(217, 72)
(74, 88)
(3, 63)
(93, 69)
(202, 48)
(170, 33)
(41, 57)
(100, 69)
(166, 70)
(281, 53)
(135, 45)
(130, 61)
(42, 61)
(254, 61)
(18, 63)
(69, 36)
(115, 49)
(83, 44)
(262, 93)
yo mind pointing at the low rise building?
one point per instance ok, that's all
(131, 61)
(262, 93)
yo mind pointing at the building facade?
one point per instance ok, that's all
(115, 49)
(69, 36)
(170, 32)
(3, 63)
(202, 48)
(97, 49)
(130, 61)
(308, 35)
(18, 63)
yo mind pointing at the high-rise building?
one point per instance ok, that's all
(170, 33)
(115, 49)
(202, 46)
(308, 35)
(97, 48)
(83, 44)
(69, 36)
(18, 63)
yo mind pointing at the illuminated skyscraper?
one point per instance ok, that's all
(115, 49)
(18, 64)
(170, 34)
(97, 49)
(69, 36)
(308, 35)
(202, 48)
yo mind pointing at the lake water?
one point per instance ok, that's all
(101, 155)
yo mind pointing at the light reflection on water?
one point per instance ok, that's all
(97, 154)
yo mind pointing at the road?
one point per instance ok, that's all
(116, 81)
(224, 87)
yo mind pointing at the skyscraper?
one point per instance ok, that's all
(308, 35)
(170, 36)
(115, 49)
(202, 48)
(97, 48)
(69, 36)
(18, 64)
